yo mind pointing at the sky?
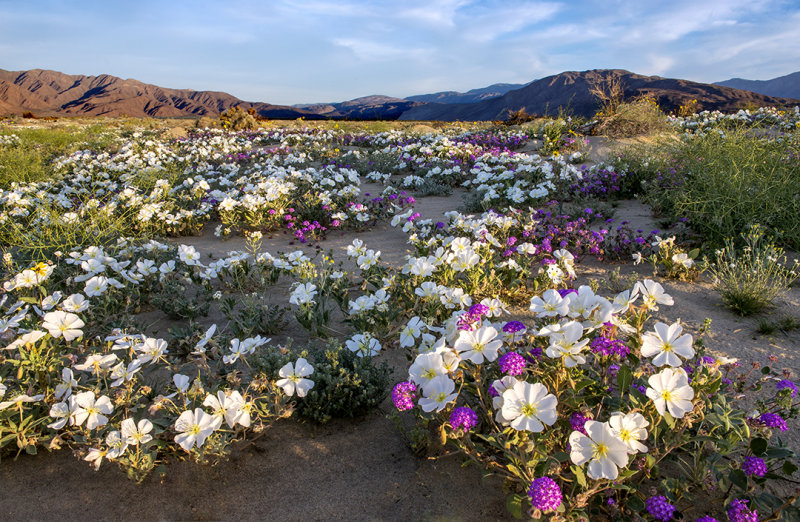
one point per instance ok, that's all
(293, 51)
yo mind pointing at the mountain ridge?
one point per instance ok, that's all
(787, 86)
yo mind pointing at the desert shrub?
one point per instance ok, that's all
(634, 118)
(722, 182)
(431, 187)
(751, 278)
(346, 385)
(176, 298)
(237, 119)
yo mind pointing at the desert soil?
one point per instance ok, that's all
(345, 470)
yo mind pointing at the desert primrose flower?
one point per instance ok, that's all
(293, 378)
(63, 324)
(529, 407)
(437, 393)
(194, 428)
(303, 294)
(479, 345)
(601, 448)
(136, 433)
(666, 344)
(92, 410)
(630, 429)
(670, 390)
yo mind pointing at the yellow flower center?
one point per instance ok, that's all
(194, 430)
(429, 374)
(666, 347)
(666, 395)
(601, 450)
(529, 410)
(440, 397)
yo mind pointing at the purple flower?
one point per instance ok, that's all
(513, 327)
(738, 512)
(545, 494)
(478, 309)
(609, 346)
(786, 384)
(577, 422)
(512, 363)
(754, 467)
(707, 518)
(403, 395)
(773, 420)
(463, 418)
(566, 291)
(659, 507)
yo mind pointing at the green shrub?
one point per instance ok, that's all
(346, 386)
(635, 118)
(751, 278)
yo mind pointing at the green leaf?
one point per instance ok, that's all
(514, 505)
(788, 468)
(779, 453)
(758, 446)
(635, 503)
(694, 253)
(737, 477)
(583, 384)
(579, 475)
(624, 378)
(765, 370)
(561, 456)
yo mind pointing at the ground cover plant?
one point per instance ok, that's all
(587, 405)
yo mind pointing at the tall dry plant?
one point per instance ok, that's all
(610, 91)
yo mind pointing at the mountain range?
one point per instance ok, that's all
(51, 93)
(785, 86)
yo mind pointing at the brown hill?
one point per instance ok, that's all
(51, 93)
(571, 91)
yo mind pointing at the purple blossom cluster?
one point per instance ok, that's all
(549, 231)
(463, 418)
(403, 395)
(608, 346)
(511, 363)
(545, 494)
(659, 508)
(754, 467)
(738, 511)
(773, 420)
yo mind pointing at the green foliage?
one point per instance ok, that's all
(723, 182)
(173, 298)
(32, 158)
(634, 118)
(751, 278)
(430, 187)
(346, 386)
(237, 119)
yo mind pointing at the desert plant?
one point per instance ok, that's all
(751, 278)
(236, 119)
(635, 118)
(609, 91)
(346, 385)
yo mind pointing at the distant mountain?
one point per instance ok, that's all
(785, 86)
(47, 93)
(571, 91)
(472, 96)
(376, 107)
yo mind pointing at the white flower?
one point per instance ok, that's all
(529, 407)
(92, 410)
(64, 388)
(652, 294)
(437, 393)
(683, 259)
(665, 343)
(117, 444)
(411, 332)
(194, 428)
(631, 430)
(637, 258)
(189, 255)
(480, 345)
(75, 303)
(426, 366)
(606, 452)
(670, 390)
(63, 324)
(62, 413)
(96, 362)
(564, 343)
(95, 456)
(20, 399)
(293, 378)
(136, 434)
(550, 304)
(96, 286)
(303, 294)
(225, 407)
(364, 345)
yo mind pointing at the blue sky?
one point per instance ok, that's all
(293, 51)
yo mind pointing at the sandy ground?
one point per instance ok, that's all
(360, 470)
